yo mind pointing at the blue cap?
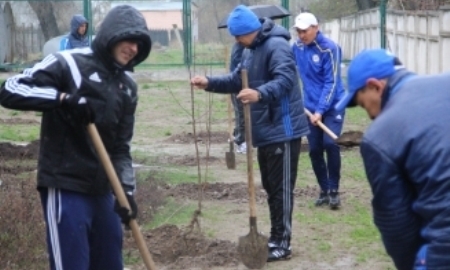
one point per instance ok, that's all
(371, 63)
(242, 21)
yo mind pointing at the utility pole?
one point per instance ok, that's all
(383, 23)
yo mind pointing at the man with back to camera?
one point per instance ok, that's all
(318, 61)
(278, 119)
(406, 156)
(73, 88)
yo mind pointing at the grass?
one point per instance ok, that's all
(173, 212)
(19, 133)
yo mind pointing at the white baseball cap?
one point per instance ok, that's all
(305, 20)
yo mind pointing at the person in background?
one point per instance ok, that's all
(74, 88)
(406, 156)
(239, 128)
(278, 118)
(77, 38)
(318, 61)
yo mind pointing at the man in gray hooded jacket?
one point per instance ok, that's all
(73, 88)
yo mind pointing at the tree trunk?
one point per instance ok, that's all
(46, 16)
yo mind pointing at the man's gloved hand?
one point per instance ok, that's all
(123, 212)
(78, 108)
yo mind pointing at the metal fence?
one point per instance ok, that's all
(183, 31)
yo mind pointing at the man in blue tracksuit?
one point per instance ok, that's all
(319, 65)
(406, 153)
(77, 38)
(278, 120)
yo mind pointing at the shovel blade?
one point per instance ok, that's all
(253, 250)
(231, 160)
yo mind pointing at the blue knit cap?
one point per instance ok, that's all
(242, 21)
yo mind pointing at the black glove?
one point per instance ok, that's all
(78, 108)
(124, 213)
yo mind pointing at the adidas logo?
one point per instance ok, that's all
(278, 151)
(94, 77)
(339, 117)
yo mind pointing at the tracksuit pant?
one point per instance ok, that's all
(239, 121)
(328, 173)
(83, 231)
(278, 166)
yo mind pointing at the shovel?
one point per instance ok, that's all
(323, 127)
(120, 195)
(230, 157)
(252, 248)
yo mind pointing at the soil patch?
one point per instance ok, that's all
(19, 121)
(236, 192)
(350, 138)
(10, 151)
(203, 137)
(190, 160)
(181, 250)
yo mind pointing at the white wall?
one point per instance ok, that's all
(421, 39)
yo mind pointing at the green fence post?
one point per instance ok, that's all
(285, 20)
(88, 15)
(383, 23)
(187, 32)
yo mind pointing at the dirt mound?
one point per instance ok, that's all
(350, 138)
(170, 245)
(232, 192)
(10, 151)
(202, 137)
(190, 160)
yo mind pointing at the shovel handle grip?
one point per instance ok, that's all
(120, 194)
(248, 139)
(322, 126)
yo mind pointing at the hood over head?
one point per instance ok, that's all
(122, 23)
(75, 23)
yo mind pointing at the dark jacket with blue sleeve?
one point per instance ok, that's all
(279, 116)
(319, 66)
(406, 153)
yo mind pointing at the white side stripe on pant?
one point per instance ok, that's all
(52, 220)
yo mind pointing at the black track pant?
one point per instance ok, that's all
(278, 165)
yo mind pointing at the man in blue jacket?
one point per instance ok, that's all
(77, 38)
(406, 153)
(278, 120)
(319, 65)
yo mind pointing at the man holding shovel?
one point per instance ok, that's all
(406, 154)
(73, 88)
(278, 120)
(319, 65)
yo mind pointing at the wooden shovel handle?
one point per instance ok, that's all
(248, 140)
(322, 126)
(120, 194)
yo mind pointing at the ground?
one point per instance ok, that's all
(170, 193)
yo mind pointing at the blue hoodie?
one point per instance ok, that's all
(319, 67)
(74, 39)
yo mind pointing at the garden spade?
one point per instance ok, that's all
(252, 248)
(230, 156)
(120, 194)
